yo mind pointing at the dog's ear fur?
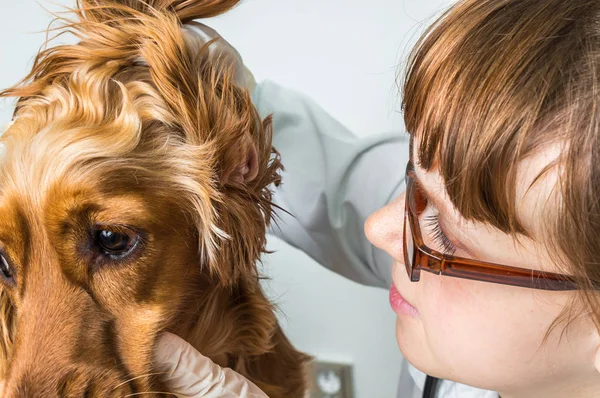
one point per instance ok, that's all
(181, 69)
(213, 111)
(6, 330)
(186, 10)
(258, 349)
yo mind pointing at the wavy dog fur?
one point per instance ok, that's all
(137, 130)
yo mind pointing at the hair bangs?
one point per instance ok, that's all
(483, 87)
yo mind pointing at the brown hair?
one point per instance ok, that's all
(491, 83)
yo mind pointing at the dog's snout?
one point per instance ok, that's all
(75, 355)
(78, 383)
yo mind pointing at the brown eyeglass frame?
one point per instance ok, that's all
(438, 263)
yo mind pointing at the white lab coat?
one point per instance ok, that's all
(332, 182)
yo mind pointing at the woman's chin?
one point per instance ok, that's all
(413, 346)
(412, 342)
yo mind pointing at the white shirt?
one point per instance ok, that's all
(332, 182)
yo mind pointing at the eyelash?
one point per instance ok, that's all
(432, 222)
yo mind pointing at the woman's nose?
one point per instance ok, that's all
(384, 228)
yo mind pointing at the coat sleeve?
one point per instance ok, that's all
(332, 182)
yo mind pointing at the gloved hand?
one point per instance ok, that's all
(190, 374)
(222, 48)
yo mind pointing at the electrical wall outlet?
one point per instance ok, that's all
(331, 380)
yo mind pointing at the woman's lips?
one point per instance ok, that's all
(400, 305)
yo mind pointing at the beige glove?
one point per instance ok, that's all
(190, 374)
(222, 48)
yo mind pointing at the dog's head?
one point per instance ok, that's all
(134, 170)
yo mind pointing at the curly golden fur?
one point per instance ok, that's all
(137, 132)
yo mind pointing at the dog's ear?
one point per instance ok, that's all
(240, 162)
(6, 330)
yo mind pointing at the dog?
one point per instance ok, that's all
(135, 199)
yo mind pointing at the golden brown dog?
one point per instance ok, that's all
(133, 200)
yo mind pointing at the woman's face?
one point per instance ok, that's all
(484, 334)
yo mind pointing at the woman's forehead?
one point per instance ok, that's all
(537, 178)
(537, 187)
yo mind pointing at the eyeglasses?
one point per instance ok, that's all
(417, 256)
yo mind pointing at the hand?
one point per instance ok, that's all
(222, 48)
(190, 374)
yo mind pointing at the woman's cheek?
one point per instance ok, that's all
(457, 318)
(445, 300)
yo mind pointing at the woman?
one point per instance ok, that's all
(501, 102)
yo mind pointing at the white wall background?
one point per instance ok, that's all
(345, 54)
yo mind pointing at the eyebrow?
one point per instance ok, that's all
(416, 165)
(430, 197)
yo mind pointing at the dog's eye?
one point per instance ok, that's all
(114, 243)
(5, 269)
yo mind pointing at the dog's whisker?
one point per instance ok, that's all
(154, 392)
(139, 377)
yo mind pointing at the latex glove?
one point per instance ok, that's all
(222, 48)
(190, 374)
